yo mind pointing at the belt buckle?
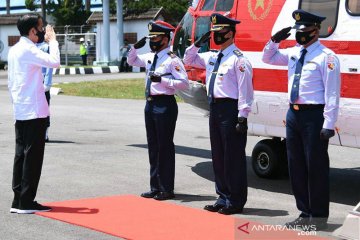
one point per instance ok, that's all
(149, 99)
(296, 107)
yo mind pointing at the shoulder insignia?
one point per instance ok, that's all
(237, 53)
(172, 54)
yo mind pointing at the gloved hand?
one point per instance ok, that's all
(154, 77)
(326, 134)
(281, 35)
(140, 43)
(241, 126)
(203, 40)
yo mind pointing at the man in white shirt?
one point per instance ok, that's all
(25, 82)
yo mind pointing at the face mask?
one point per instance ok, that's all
(155, 46)
(219, 37)
(304, 38)
(41, 36)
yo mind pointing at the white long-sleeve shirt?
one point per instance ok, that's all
(234, 76)
(166, 63)
(25, 79)
(320, 77)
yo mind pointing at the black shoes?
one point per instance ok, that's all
(213, 208)
(230, 210)
(149, 194)
(33, 208)
(307, 224)
(223, 209)
(164, 196)
(157, 195)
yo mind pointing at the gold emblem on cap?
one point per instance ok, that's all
(297, 16)
(213, 19)
(150, 27)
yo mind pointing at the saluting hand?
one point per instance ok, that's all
(241, 126)
(326, 134)
(203, 40)
(140, 43)
(49, 33)
(281, 35)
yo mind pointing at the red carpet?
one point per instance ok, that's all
(133, 217)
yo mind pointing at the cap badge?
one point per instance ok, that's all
(150, 27)
(213, 19)
(297, 16)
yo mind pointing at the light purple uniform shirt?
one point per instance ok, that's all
(234, 76)
(165, 64)
(320, 77)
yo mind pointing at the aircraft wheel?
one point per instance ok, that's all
(267, 158)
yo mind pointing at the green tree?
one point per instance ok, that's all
(174, 10)
(68, 12)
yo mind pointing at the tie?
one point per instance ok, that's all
(148, 81)
(295, 87)
(212, 79)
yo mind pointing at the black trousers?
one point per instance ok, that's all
(160, 121)
(84, 59)
(308, 162)
(47, 95)
(29, 155)
(124, 66)
(228, 154)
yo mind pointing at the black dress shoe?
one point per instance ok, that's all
(302, 223)
(149, 194)
(213, 208)
(230, 210)
(164, 196)
(318, 224)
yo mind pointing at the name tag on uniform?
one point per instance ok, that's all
(211, 63)
(293, 58)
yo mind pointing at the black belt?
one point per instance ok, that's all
(300, 107)
(159, 97)
(222, 100)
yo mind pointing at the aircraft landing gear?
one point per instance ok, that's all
(269, 158)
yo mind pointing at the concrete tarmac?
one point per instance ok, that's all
(98, 148)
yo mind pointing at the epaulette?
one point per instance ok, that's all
(237, 53)
(172, 54)
(328, 51)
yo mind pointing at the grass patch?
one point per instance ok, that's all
(118, 89)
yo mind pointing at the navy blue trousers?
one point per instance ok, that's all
(228, 154)
(160, 121)
(308, 162)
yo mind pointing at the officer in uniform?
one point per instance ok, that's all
(165, 73)
(314, 92)
(230, 95)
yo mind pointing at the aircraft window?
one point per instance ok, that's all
(224, 5)
(182, 38)
(208, 5)
(202, 27)
(353, 7)
(326, 8)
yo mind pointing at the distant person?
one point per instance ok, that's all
(90, 51)
(83, 51)
(25, 82)
(124, 51)
(47, 74)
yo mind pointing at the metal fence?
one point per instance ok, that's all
(69, 43)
